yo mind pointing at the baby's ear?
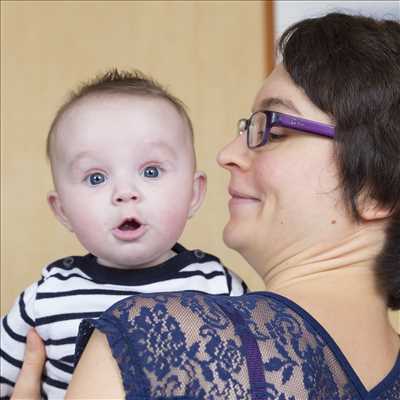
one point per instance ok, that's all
(199, 191)
(54, 201)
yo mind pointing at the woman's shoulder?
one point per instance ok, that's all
(202, 346)
(255, 309)
(223, 345)
(267, 317)
(258, 310)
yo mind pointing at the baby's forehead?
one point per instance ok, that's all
(94, 107)
(116, 100)
(120, 112)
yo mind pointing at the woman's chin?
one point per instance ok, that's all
(232, 237)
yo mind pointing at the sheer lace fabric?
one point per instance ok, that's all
(257, 346)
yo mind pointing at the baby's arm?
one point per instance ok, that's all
(14, 329)
(236, 285)
(97, 375)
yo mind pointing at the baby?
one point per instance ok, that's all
(123, 164)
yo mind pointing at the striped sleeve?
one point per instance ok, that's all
(13, 330)
(236, 286)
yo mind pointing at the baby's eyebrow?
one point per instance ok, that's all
(79, 158)
(152, 149)
(162, 146)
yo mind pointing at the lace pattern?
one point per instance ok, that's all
(194, 346)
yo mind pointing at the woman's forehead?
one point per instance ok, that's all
(278, 89)
(280, 93)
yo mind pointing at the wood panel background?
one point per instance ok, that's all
(213, 55)
(210, 54)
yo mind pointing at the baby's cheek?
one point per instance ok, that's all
(174, 220)
(86, 233)
(86, 224)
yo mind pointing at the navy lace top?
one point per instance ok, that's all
(190, 345)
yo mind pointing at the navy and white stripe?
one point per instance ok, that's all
(78, 287)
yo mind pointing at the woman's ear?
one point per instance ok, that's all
(54, 201)
(371, 210)
(199, 191)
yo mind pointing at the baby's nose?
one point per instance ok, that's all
(123, 196)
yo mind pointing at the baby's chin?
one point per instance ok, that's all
(134, 261)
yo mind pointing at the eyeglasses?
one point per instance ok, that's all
(258, 126)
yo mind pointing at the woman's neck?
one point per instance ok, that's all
(337, 285)
(325, 279)
(333, 266)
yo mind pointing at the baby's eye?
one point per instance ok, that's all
(151, 172)
(95, 179)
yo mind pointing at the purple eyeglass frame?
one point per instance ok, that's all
(275, 118)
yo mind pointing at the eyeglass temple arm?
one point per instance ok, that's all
(304, 125)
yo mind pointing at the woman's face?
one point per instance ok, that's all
(284, 196)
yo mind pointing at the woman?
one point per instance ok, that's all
(315, 209)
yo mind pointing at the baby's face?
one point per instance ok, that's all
(124, 175)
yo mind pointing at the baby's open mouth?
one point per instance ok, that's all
(129, 224)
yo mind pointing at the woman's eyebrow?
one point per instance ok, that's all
(265, 104)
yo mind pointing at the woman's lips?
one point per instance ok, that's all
(239, 198)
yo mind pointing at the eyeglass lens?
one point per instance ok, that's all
(257, 127)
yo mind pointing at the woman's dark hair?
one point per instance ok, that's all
(349, 66)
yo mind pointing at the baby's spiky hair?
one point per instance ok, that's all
(114, 81)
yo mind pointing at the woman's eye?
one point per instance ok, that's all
(276, 135)
(260, 136)
(151, 172)
(96, 179)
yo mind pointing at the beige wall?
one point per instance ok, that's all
(210, 54)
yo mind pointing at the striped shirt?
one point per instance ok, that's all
(78, 287)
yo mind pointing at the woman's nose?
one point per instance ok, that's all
(234, 154)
